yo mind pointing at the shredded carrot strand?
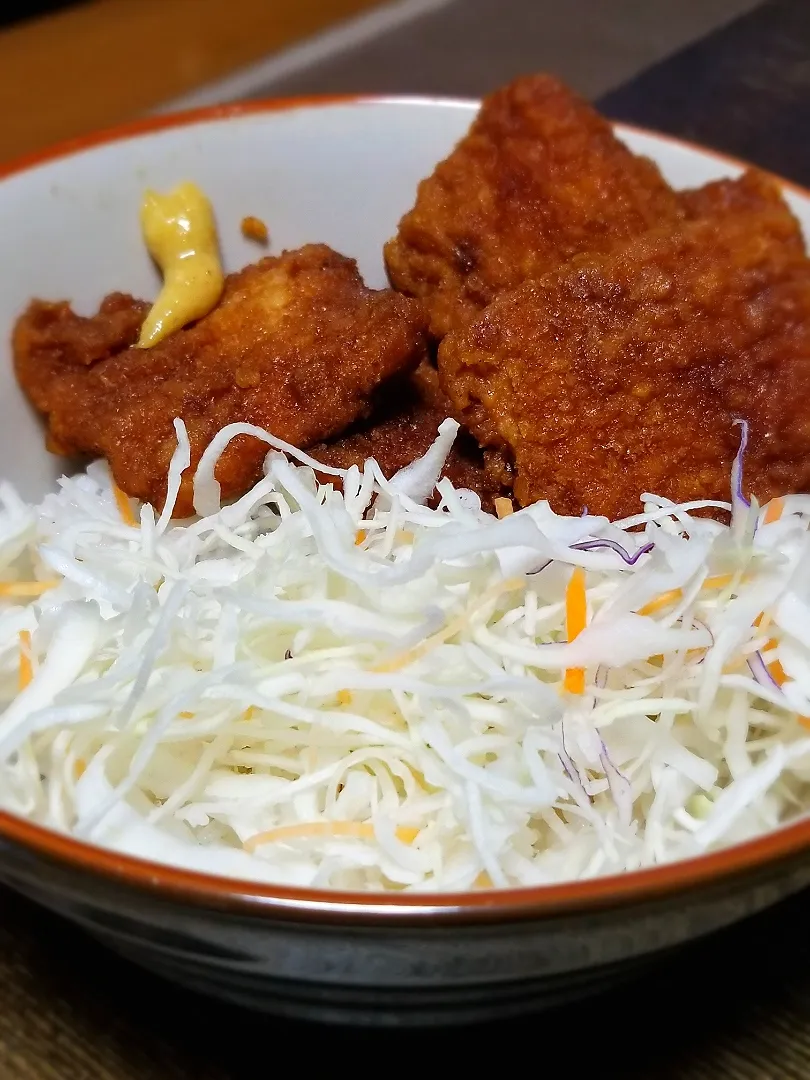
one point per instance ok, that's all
(124, 507)
(360, 829)
(576, 617)
(773, 511)
(26, 673)
(504, 507)
(359, 537)
(396, 663)
(662, 601)
(719, 581)
(777, 673)
(804, 721)
(26, 588)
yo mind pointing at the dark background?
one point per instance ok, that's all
(17, 10)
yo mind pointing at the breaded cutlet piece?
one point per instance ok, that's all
(539, 178)
(752, 190)
(623, 373)
(51, 340)
(402, 428)
(297, 345)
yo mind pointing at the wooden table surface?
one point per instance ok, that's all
(104, 61)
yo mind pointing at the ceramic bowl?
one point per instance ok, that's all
(341, 171)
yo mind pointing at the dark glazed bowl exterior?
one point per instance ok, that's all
(378, 960)
(388, 959)
(378, 965)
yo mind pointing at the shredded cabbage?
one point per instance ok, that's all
(352, 689)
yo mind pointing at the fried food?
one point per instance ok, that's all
(539, 178)
(402, 428)
(51, 341)
(623, 373)
(754, 190)
(297, 345)
(255, 229)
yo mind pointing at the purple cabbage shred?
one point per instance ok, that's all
(603, 542)
(619, 785)
(540, 568)
(737, 494)
(759, 669)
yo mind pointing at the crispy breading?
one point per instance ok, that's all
(51, 340)
(623, 373)
(753, 190)
(402, 428)
(297, 345)
(539, 178)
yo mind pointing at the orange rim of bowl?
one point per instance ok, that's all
(768, 852)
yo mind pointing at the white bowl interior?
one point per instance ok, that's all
(340, 174)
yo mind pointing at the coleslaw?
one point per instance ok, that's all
(348, 688)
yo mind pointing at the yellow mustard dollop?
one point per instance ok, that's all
(181, 235)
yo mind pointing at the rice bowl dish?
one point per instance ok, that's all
(468, 726)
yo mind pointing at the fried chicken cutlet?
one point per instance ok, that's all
(539, 178)
(51, 340)
(297, 345)
(402, 428)
(753, 190)
(624, 373)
